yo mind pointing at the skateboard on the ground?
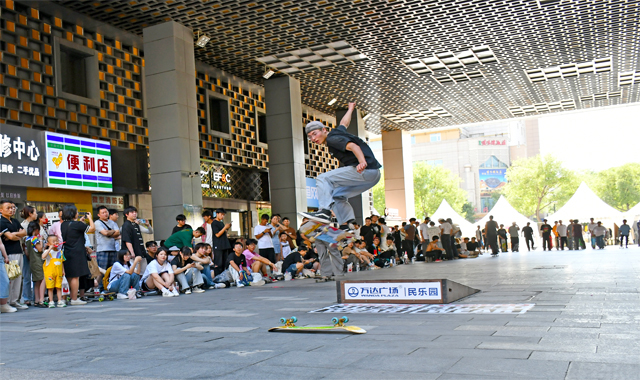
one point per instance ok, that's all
(288, 325)
(98, 296)
(323, 232)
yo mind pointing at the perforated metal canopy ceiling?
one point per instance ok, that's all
(416, 64)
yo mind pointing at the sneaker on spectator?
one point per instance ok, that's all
(6, 308)
(188, 291)
(198, 289)
(258, 283)
(20, 306)
(220, 286)
(52, 305)
(77, 302)
(61, 303)
(139, 294)
(239, 284)
(175, 292)
(322, 216)
(121, 296)
(166, 293)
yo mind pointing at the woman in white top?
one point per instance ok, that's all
(124, 275)
(159, 275)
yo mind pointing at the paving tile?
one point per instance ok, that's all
(510, 368)
(604, 371)
(586, 357)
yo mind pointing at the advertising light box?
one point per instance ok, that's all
(78, 163)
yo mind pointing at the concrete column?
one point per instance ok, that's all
(360, 203)
(174, 141)
(398, 173)
(286, 149)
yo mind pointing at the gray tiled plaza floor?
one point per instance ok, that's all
(585, 325)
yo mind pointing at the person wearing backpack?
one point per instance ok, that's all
(123, 275)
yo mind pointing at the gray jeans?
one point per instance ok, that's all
(337, 186)
(331, 263)
(189, 278)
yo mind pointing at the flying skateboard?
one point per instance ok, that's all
(324, 232)
(338, 327)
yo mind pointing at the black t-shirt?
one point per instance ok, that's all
(366, 233)
(131, 234)
(337, 141)
(502, 233)
(471, 246)
(239, 260)
(410, 230)
(311, 254)
(546, 229)
(527, 231)
(176, 228)
(179, 263)
(292, 258)
(12, 246)
(222, 242)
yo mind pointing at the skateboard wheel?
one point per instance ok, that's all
(345, 319)
(283, 320)
(294, 319)
(334, 320)
(111, 298)
(100, 299)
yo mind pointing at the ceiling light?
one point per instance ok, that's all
(268, 74)
(332, 101)
(202, 40)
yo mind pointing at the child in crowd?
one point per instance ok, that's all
(53, 270)
(285, 248)
(124, 275)
(159, 275)
(33, 245)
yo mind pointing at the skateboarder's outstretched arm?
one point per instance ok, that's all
(346, 119)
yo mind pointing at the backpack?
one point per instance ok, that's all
(105, 278)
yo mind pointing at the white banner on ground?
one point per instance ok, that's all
(427, 309)
(405, 291)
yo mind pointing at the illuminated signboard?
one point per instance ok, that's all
(21, 156)
(78, 163)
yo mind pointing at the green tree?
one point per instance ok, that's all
(468, 213)
(432, 184)
(619, 186)
(379, 199)
(535, 184)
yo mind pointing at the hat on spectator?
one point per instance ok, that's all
(174, 248)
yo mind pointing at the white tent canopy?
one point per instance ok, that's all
(504, 213)
(633, 213)
(585, 204)
(445, 211)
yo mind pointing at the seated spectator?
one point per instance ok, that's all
(294, 263)
(152, 248)
(375, 249)
(124, 275)
(172, 252)
(255, 262)
(349, 256)
(202, 255)
(363, 254)
(237, 265)
(311, 255)
(433, 249)
(385, 257)
(184, 238)
(474, 248)
(159, 275)
(463, 252)
(187, 272)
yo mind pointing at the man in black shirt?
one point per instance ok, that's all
(294, 262)
(358, 172)
(236, 263)
(545, 230)
(527, 231)
(132, 236)
(182, 224)
(366, 232)
(219, 239)
(11, 236)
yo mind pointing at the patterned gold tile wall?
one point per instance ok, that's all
(317, 157)
(27, 82)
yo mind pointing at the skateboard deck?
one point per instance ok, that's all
(323, 232)
(338, 327)
(99, 296)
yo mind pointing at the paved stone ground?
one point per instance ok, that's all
(585, 325)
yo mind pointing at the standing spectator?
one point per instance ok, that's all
(113, 216)
(423, 229)
(285, 248)
(545, 231)
(385, 232)
(28, 215)
(570, 242)
(11, 240)
(555, 234)
(132, 230)
(599, 231)
(590, 228)
(562, 234)
(356, 231)
(624, 232)
(502, 237)
(514, 232)
(479, 238)
(34, 245)
(55, 227)
(208, 220)
(375, 226)
(220, 241)
(106, 233)
(578, 241)
(407, 243)
(290, 232)
(4, 280)
(366, 232)
(43, 221)
(434, 230)
(181, 221)
(263, 233)
(445, 236)
(491, 231)
(124, 275)
(276, 228)
(455, 232)
(75, 264)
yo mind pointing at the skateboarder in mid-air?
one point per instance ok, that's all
(359, 171)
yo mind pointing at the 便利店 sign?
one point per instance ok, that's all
(78, 163)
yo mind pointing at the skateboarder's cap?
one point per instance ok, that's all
(312, 126)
